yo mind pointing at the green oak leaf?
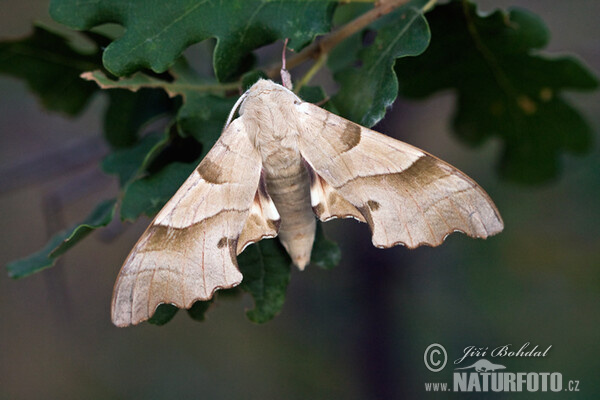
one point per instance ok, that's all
(127, 163)
(367, 90)
(505, 89)
(204, 109)
(63, 241)
(198, 310)
(156, 39)
(203, 113)
(266, 269)
(51, 68)
(345, 54)
(312, 94)
(163, 314)
(203, 118)
(127, 112)
(149, 194)
(317, 95)
(325, 252)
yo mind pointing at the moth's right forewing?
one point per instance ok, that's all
(190, 248)
(406, 195)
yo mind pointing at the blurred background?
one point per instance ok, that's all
(356, 332)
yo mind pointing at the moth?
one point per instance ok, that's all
(277, 165)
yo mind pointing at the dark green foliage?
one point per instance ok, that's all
(148, 195)
(266, 269)
(155, 39)
(369, 88)
(199, 309)
(325, 253)
(63, 241)
(51, 68)
(127, 112)
(504, 87)
(127, 163)
(202, 117)
(163, 314)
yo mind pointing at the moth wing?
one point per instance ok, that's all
(406, 195)
(189, 250)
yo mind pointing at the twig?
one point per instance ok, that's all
(328, 42)
(311, 72)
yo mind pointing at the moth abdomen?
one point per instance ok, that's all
(291, 196)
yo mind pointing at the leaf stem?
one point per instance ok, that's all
(427, 7)
(311, 72)
(140, 80)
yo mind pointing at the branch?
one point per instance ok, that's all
(328, 42)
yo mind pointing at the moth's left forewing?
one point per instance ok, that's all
(189, 250)
(406, 195)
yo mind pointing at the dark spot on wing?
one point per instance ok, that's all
(211, 172)
(422, 172)
(274, 225)
(318, 209)
(351, 136)
(373, 205)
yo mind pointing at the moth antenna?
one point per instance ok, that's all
(286, 78)
(236, 106)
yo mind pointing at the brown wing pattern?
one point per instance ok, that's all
(190, 248)
(406, 196)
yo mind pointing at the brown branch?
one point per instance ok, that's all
(328, 42)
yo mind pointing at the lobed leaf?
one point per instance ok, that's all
(325, 252)
(202, 114)
(155, 40)
(148, 195)
(63, 241)
(266, 269)
(128, 112)
(504, 88)
(369, 88)
(129, 162)
(51, 68)
(345, 54)
(198, 310)
(164, 313)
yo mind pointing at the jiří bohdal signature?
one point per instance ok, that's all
(502, 351)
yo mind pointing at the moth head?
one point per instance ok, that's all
(266, 95)
(265, 86)
(269, 91)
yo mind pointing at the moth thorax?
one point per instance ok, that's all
(281, 161)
